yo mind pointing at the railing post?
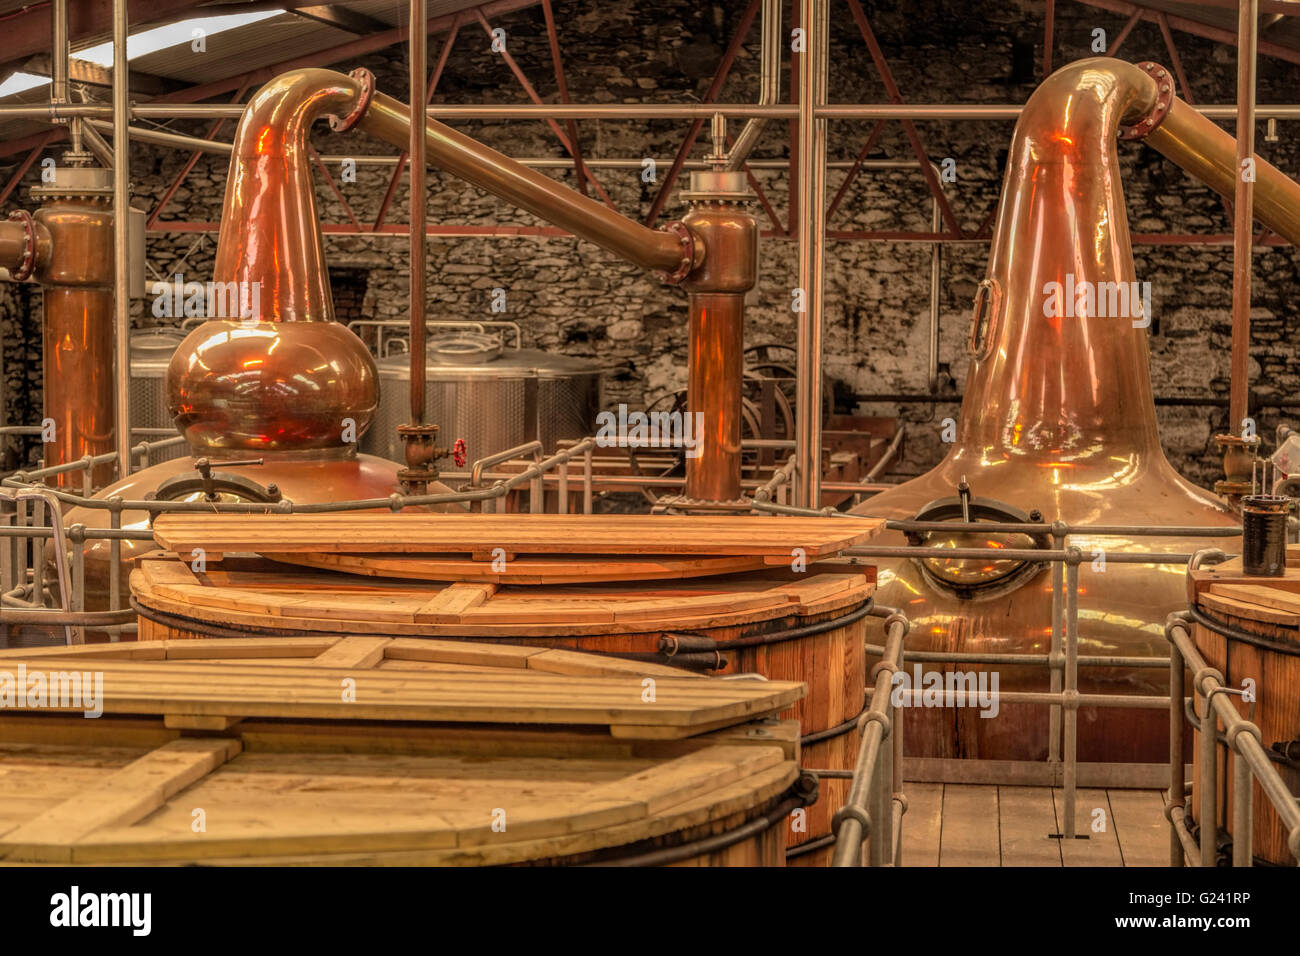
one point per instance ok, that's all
(1242, 799)
(1071, 691)
(1054, 657)
(1209, 775)
(1177, 772)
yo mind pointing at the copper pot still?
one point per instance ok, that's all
(1058, 419)
(272, 376)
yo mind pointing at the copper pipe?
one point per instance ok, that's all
(15, 243)
(715, 366)
(417, 173)
(1210, 154)
(458, 154)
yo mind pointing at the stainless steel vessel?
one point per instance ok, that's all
(151, 351)
(493, 399)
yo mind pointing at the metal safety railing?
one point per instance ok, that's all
(1062, 660)
(31, 513)
(872, 814)
(1205, 710)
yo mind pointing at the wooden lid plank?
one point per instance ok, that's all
(533, 534)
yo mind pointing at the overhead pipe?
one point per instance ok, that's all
(921, 112)
(99, 147)
(665, 250)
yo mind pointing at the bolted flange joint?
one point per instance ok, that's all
(366, 80)
(1165, 93)
(687, 263)
(25, 268)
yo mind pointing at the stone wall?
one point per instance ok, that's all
(572, 297)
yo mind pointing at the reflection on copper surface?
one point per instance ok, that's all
(1058, 416)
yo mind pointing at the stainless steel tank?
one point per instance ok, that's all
(493, 398)
(151, 351)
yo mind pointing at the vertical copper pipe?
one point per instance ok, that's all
(417, 170)
(715, 365)
(77, 380)
(1243, 215)
(715, 361)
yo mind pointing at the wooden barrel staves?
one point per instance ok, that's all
(1265, 613)
(450, 753)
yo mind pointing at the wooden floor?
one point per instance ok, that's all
(970, 825)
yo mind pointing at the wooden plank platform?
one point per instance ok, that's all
(508, 534)
(978, 825)
(211, 684)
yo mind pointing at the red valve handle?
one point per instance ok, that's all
(458, 453)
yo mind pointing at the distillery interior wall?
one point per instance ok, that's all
(574, 298)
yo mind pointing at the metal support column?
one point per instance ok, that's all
(121, 240)
(1243, 214)
(812, 202)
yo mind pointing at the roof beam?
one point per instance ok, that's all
(28, 33)
(83, 71)
(341, 18)
(1195, 27)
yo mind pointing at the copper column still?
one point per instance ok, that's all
(1058, 419)
(67, 246)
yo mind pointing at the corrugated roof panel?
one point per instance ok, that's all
(242, 49)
